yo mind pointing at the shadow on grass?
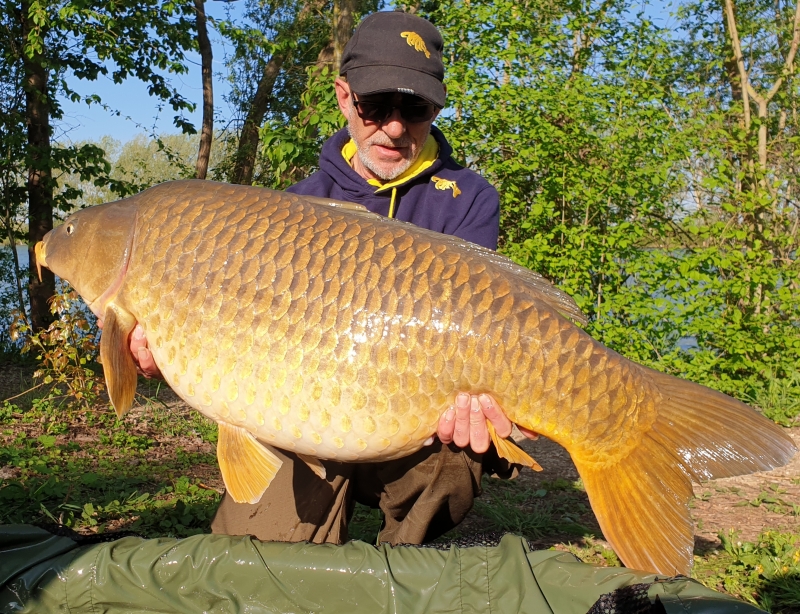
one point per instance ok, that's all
(780, 594)
(764, 572)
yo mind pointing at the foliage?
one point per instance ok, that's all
(290, 151)
(45, 48)
(65, 350)
(508, 506)
(273, 45)
(138, 164)
(365, 524)
(765, 572)
(281, 71)
(778, 399)
(269, 27)
(86, 42)
(9, 299)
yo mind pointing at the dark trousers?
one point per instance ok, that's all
(422, 496)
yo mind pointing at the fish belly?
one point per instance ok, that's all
(300, 405)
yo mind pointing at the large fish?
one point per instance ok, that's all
(321, 328)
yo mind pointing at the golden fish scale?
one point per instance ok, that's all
(334, 334)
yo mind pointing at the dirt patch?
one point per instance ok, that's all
(750, 503)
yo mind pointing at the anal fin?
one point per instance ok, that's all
(247, 466)
(510, 451)
(314, 464)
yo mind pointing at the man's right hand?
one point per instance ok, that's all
(140, 353)
(464, 424)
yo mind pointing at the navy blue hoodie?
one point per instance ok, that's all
(445, 197)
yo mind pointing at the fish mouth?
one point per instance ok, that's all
(38, 251)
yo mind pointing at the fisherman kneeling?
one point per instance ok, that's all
(392, 160)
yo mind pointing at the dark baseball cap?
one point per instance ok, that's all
(395, 52)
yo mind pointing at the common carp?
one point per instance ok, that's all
(322, 328)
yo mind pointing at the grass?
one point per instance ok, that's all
(150, 473)
(143, 474)
(508, 506)
(765, 573)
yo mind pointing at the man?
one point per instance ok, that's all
(393, 161)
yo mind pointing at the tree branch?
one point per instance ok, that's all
(788, 65)
(733, 33)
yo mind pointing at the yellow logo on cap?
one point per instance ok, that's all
(446, 184)
(415, 40)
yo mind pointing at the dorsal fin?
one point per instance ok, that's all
(342, 204)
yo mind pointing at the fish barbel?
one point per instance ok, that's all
(321, 328)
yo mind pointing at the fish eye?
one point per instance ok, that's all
(70, 228)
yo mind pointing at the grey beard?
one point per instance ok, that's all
(362, 155)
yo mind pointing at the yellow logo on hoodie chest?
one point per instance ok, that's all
(446, 184)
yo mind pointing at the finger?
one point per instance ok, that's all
(142, 354)
(147, 364)
(447, 424)
(138, 340)
(461, 432)
(429, 441)
(529, 434)
(495, 415)
(478, 433)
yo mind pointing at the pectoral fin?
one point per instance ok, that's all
(314, 464)
(118, 365)
(510, 451)
(247, 466)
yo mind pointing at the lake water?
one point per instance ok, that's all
(7, 280)
(22, 253)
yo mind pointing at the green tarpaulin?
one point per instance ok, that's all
(42, 573)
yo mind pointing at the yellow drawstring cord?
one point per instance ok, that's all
(391, 204)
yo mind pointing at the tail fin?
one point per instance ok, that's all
(699, 434)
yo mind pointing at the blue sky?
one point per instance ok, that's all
(137, 110)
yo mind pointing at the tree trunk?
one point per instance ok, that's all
(248, 141)
(207, 131)
(40, 181)
(344, 14)
(344, 11)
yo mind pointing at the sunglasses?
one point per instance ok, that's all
(380, 109)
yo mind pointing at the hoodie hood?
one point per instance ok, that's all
(445, 196)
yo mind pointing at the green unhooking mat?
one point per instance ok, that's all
(41, 572)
